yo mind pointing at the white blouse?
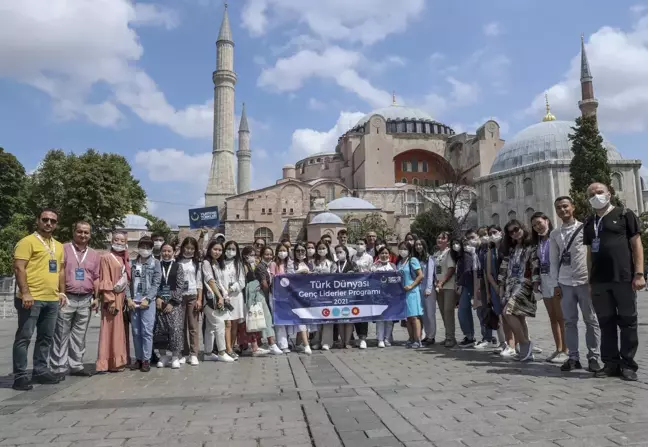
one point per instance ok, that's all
(363, 262)
(193, 278)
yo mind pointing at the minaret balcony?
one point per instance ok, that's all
(224, 75)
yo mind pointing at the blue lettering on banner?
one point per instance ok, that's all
(338, 298)
(204, 217)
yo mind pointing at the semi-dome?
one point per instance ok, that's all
(135, 222)
(349, 203)
(327, 218)
(548, 140)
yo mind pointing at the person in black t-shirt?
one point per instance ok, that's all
(615, 258)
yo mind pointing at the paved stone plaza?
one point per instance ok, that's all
(391, 397)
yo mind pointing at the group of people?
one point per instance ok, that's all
(161, 294)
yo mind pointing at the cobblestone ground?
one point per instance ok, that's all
(390, 397)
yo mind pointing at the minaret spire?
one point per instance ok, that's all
(244, 154)
(588, 103)
(221, 183)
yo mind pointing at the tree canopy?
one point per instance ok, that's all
(12, 182)
(157, 225)
(430, 223)
(370, 222)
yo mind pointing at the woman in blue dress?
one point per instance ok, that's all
(410, 268)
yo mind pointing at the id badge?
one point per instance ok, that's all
(515, 270)
(566, 259)
(53, 268)
(185, 286)
(139, 288)
(544, 269)
(165, 292)
(439, 269)
(596, 244)
(79, 274)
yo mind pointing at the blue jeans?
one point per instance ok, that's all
(142, 321)
(41, 318)
(465, 313)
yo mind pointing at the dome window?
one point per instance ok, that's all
(495, 219)
(512, 215)
(494, 194)
(617, 182)
(410, 127)
(529, 212)
(528, 187)
(510, 190)
(264, 233)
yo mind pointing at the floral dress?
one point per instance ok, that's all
(168, 327)
(518, 271)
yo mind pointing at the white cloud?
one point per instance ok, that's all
(619, 64)
(173, 165)
(149, 14)
(492, 29)
(316, 104)
(463, 93)
(309, 141)
(360, 21)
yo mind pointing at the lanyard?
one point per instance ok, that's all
(517, 256)
(51, 247)
(341, 270)
(85, 253)
(165, 273)
(597, 225)
(543, 248)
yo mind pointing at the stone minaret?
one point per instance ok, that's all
(588, 103)
(221, 184)
(244, 155)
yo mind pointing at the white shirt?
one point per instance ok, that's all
(193, 278)
(443, 262)
(363, 262)
(577, 273)
(380, 267)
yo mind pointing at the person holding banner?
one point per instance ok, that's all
(323, 264)
(428, 294)
(410, 268)
(299, 265)
(383, 264)
(281, 265)
(344, 265)
(263, 276)
(363, 262)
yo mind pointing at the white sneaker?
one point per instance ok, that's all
(498, 349)
(175, 363)
(381, 344)
(193, 360)
(274, 350)
(493, 344)
(560, 358)
(182, 360)
(508, 352)
(307, 350)
(211, 357)
(387, 343)
(325, 347)
(286, 351)
(536, 350)
(224, 358)
(316, 347)
(363, 344)
(482, 345)
(164, 361)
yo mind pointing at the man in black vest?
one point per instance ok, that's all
(615, 258)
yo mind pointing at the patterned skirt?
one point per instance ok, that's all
(522, 302)
(168, 330)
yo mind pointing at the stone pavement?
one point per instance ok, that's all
(390, 397)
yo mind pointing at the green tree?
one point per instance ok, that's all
(12, 182)
(589, 165)
(430, 223)
(98, 188)
(157, 225)
(16, 229)
(370, 222)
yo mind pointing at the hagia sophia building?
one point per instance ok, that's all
(390, 162)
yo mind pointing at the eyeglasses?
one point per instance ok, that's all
(514, 230)
(49, 220)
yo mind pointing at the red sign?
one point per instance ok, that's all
(326, 312)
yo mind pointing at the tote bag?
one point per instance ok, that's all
(255, 319)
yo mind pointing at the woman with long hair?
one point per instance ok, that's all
(310, 252)
(249, 341)
(427, 291)
(519, 272)
(410, 268)
(445, 265)
(383, 264)
(301, 265)
(189, 260)
(264, 278)
(541, 227)
(363, 262)
(281, 265)
(344, 265)
(504, 333)
(323, 264)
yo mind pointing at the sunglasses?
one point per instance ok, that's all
(514, 230)
(49, 220)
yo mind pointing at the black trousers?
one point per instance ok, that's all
(362, 329)
(616, 306)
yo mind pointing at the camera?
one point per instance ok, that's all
(228, 306)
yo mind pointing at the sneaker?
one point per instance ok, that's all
(183, 360)
(22, 384)
(146, 366)
(274, 350)
(307, 350)
(493, 344)
(193, 360)
(233, 354)
(46, 379)
(608, 371)
(286, 351)
(363, 344)
(326, 347)
(628, 375)
(163, 361)
(450, 343)
(560, 358)
(416, 345)
(137, 364)
(225, 358)
(594, 365)
(211, 357)
(81, 373)
(528, 355)
(552, 357)
(387, 343)
(381, 344)
(482, 345)
(316, 346)
(467, 343)
(499, 348)
(408, 344)
(175, 363)
(259, 352)
(508, 352)
(536, 350)
(570, 365)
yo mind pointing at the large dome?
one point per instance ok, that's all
(548, 140)
(349, 203)
(397, 113)
(327, 218)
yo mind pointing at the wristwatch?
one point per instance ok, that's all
(639, 274)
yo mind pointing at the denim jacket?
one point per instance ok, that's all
(151, 275)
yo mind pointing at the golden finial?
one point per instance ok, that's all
(548, 116)
(394, 98)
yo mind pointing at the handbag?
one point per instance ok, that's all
(491, 319)
(255, 318)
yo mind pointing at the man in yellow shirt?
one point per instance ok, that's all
(38, 264)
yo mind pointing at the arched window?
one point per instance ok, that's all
(510, 190)
(512, 215)
(263, 233)
(529, 212)
(330, 193)
(354, 226)
(411, 196)
(494, 195)
(415, 181)
(403, 180)
(617, 182)
(495, 219)
(528, 187)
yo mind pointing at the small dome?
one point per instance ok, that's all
(349, 203)
(289, 166)
(135, 222)
(327, 218)
(548, 140)
(397, 113)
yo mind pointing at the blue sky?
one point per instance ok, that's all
(135, 77)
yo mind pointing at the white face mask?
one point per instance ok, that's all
(496, 237)
(456, 247)
(403, 253)
(485, 239)
(229, 254)
(599, 201)
(469, 249)
(310, 252)
(187, 255)
(384, 261)
(251, 260)
(144, 253)
(322, 252)
(157, 244)
(361, 248)
(118, 248)
(341, 257)
(282, 255)
(473, 242)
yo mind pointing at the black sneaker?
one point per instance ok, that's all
(429, 341)
(137, 364)
(46, 379)
(81, 373)
(467, 343)
(22, 384)
(61, 376)
(146, 366)
(608, 371)
(594, 365)
(570, 365)
(628, 375)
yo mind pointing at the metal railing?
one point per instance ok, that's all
(7, 292)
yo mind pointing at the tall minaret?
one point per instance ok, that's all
(244, 155)
(221, 184)
(588, 103)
